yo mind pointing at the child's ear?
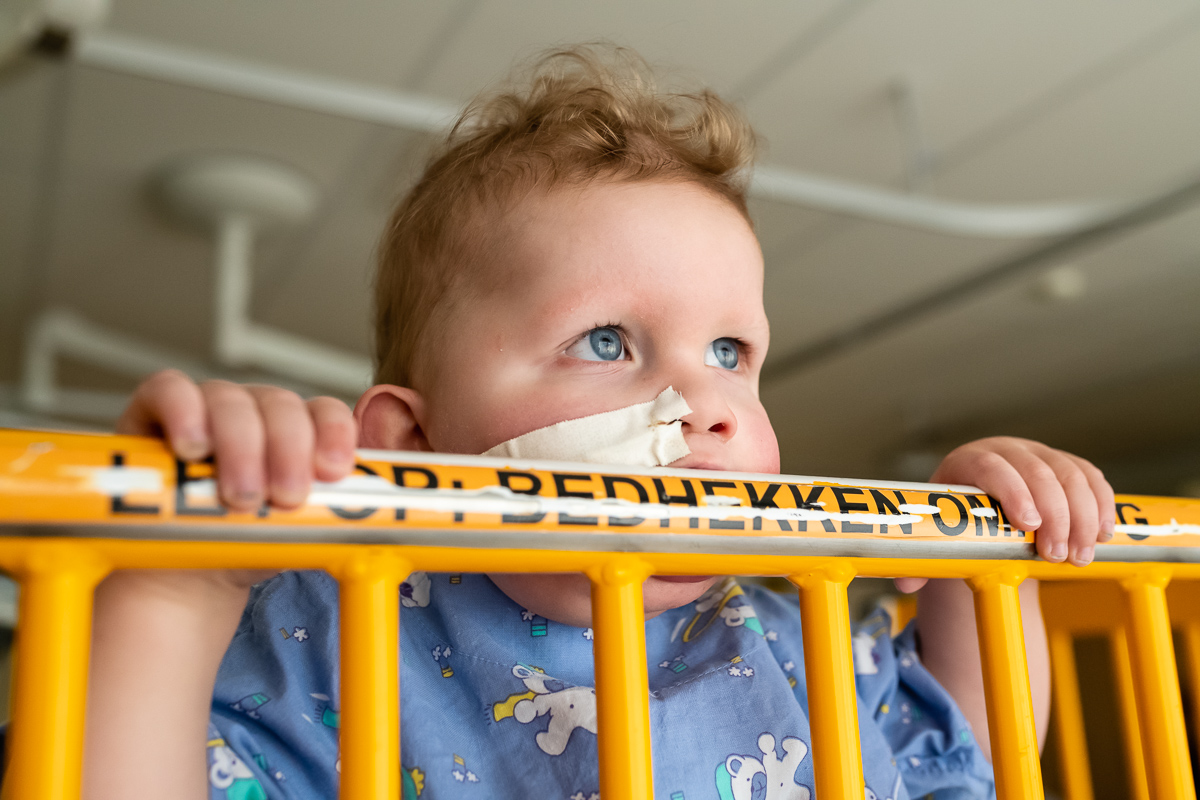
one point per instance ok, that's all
(389, 419)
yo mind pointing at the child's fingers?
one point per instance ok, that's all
(336, 438)
(909, 585)
(1064, 497)
(288, 446)
(238, 441)
(171, 404)
(1082, 509)
(1049, 497)
(1106, 501)
(995, 474)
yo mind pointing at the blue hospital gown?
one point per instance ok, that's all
(498, 702)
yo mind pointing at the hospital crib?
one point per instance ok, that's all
(73, 507)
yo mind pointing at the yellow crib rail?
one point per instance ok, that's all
(1095, 608)
(74, 507)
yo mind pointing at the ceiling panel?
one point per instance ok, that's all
(378, 41)
(116, 256)
(318, 283)
(26, 90)
(859, 270)
(27, 95)
(1142, 431)
(999, 356)
(328, 295)
(782, 227)
(1133, 132)
(716, 42)
(970, 65)
(119, 264)
(136, 125)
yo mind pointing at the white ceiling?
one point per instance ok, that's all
(1020, 101)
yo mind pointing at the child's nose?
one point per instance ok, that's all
(710, 414)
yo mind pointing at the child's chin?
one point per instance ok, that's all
(566, 598)
(662, 593)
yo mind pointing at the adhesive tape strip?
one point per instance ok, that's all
(645, 435)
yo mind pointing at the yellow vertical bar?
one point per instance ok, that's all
(1068, 718)
(1191, 645)
(370, 697)
(1160, 708)
(829, 668)
(622, 685)
(1131, 736)
(54, 637)
(1011, 728)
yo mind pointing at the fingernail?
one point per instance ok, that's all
(1106, 530)
(239, 498)
(1084, 556)
(1058, 552)
(1032, 521)
(334, 464)
(191, 447)
(287, 496)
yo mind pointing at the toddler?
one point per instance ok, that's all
(575, 246)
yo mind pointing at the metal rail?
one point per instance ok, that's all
(74, 507)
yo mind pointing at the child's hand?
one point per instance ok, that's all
(269, 444)
(1061, 496)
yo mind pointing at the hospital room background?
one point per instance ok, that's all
(977, 219)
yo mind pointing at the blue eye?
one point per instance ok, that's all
(600, 344)
(722, 352)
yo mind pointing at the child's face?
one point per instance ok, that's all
(611, 293)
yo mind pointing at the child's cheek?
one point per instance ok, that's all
(761, 445)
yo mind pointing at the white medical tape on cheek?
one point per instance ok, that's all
(644, 435)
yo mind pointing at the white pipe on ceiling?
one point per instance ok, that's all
(220, 73)
(918, 211)
(59, 332)
(386, 106)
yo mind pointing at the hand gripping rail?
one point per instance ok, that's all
(74, 507)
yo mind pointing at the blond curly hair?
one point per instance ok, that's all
(581, 114)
